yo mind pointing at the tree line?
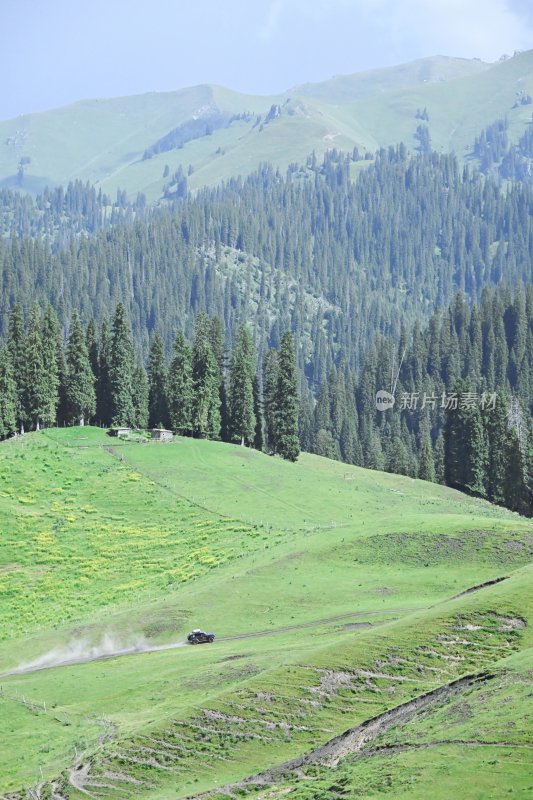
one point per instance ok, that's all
(313, 251)
(94, 376)
(463, 401)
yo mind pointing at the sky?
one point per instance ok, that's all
(56, 52)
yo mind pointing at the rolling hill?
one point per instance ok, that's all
(214, 133)
(372, 630)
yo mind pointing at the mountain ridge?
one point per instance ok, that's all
(107, 142)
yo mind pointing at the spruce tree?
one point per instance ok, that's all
(466, 453)
(79, 389)
(121, 368)
(8, 396)
(517, 491)
(103, 386)
(439, 458)
(51, 343)
(180, 387)
(217, 344)
(140, 396)
(258, 414)
(287, 401)
(92, 348)
(205, 373)
(35, 384)
(398, 460)
(426, 469)
(241, 392)
(325, 445)
(496, 429)
(157, 378)
(270, 384)
(16, 344)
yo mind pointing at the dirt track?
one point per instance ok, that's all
(119, 653)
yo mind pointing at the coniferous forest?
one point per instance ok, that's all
(412, 274)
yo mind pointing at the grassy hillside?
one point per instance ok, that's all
(103, 141)
(329, 587)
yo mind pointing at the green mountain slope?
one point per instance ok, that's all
(349, 88)
(104, 141)
(335, 594)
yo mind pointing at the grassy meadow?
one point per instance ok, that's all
(353, 579)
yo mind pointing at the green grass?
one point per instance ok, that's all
(142, 542)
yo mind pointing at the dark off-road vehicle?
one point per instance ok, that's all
(200, 637)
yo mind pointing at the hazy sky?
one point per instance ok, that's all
(54, 52)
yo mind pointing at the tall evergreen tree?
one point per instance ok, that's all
(8, 396)
(496, 429)
(51, 343)
(465, 444)
(92, 348)
(439, 457)
(258, 414)
(426, 470)
(103, 386)
(287, 401)
(79, 389)
(205, 372)
(157, 377)
(35, 398)
(16, 344)
(270, 385)
(121, 368)
(180, 387)
(218, 344)
(241, 392)
(140, 396)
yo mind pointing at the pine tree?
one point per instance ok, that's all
(426, 469)
(62, 408)
(8, 396)
(16, 344)
(157, 378)
(259, 438)
(79, 389)
(398, 460)
(180, 387)
(35, 385)
(205, 373)
(121, 367)
(287, 401)
(517, 491)
(372, 448)
(51, 343)
(325, 445)
(496, 429)
(103, 386)
(270, 384)
(140, 396)
(217, 344)
(241, 392)
(466, 453)
(92, 348)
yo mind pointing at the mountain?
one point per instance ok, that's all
(137, 143)
(336, 594)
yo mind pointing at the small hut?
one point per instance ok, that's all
(119, 431)
(161, 435)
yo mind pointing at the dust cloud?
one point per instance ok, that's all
(80, 649)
